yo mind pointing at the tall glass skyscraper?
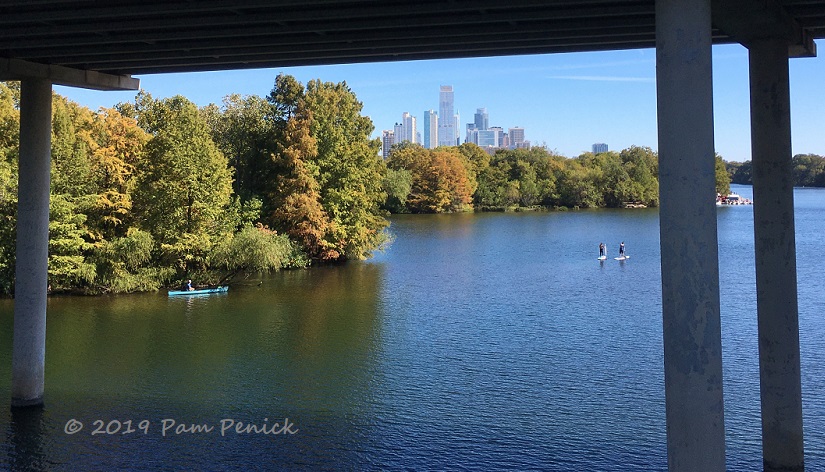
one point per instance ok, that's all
(398, 133)
(599, 148)
(517, 138)
(457, 128)
(408, 130)
(482, 119)
(446, 117)
(430, 129)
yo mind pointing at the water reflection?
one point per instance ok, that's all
(300, 346)
(477, 341)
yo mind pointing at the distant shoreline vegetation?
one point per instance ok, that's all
(466, 178)
(156, 191)
(808, 171)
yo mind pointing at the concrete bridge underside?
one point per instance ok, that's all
(86, 44)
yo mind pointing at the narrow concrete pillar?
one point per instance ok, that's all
(775, 245)
(31, 265)
(690, 263)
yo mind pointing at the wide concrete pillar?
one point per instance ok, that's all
(690, 262)
(775, 245)
(31, 265)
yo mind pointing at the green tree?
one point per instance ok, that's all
(808, 170)
(284, 98)
(71, 145)
(124, 264)
(625, 177)
(8, 223)
(547, 165)
(9, 120)
(255, 249)
(350, 169)
(398, 185)
(642, 165)
(476, 156)
(243, 130)
(522, 177)
(740, 172)
(722, 177)
(528, 187)
(492, 184)
(68, 268)
(184, 185)
(577, 186)
(72, 194)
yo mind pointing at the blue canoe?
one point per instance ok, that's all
(200, 291)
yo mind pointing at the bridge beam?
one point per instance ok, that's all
(690, 263)
(747, 21)
(775, 247)
(15, 69)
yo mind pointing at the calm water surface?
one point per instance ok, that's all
(475, 342)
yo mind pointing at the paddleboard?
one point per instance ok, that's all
(622, 258)
(602, 258)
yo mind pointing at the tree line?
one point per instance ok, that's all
(155, 191)
(808, 171)
(466, 177)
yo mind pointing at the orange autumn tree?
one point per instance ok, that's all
(440, 180)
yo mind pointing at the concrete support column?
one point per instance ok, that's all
(690, 263)
(31, 278)
(775, 246)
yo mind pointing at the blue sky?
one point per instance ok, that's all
(566, 102)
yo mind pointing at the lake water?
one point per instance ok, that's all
(475, 342)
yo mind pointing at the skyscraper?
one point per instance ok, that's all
(599, 148)
(516, 138)
(482, 120)
(472, 134)
(430, 129)
(386, 142)
(446, 117)
(457, 128)
(408, 130)
(489, 138)
(397, 131)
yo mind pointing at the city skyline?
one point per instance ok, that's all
(566, 102)
(478, 132)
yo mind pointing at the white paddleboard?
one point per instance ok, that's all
(602, 258)
(621, 258)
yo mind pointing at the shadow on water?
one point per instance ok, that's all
(25, 438)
